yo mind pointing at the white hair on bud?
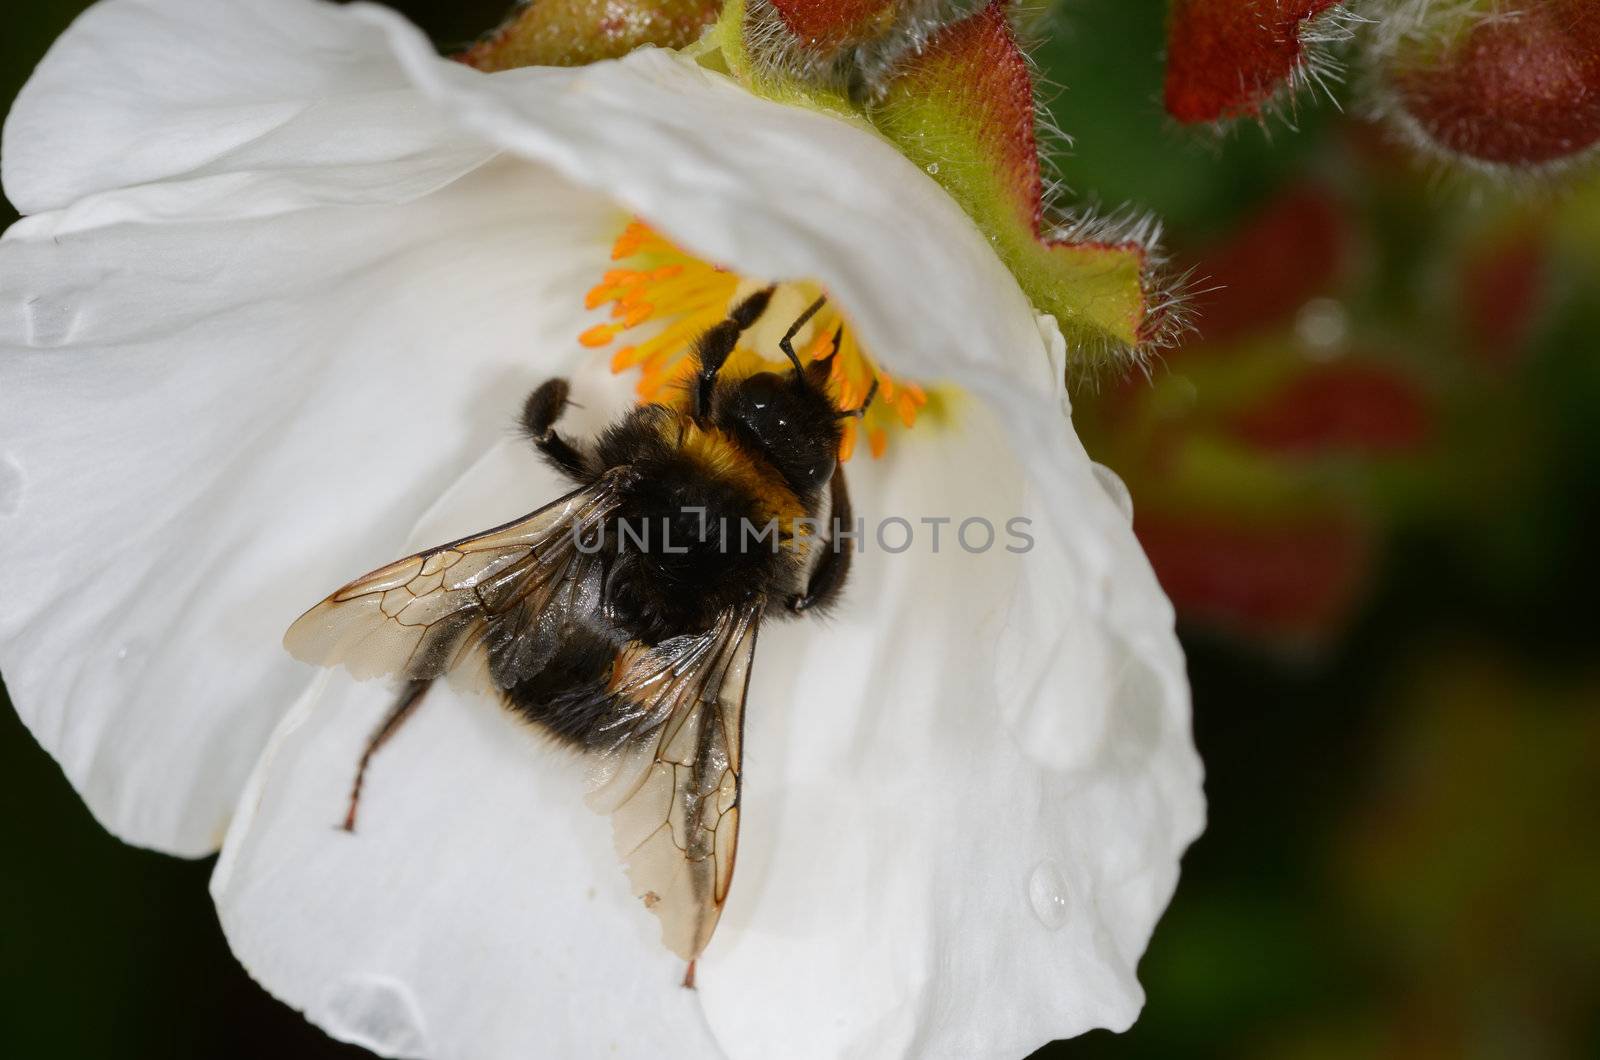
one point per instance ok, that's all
(1319, 73)
(1169, 309)
(1425, 25)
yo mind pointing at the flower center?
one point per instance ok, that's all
(657, 282)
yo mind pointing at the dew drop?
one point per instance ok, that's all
(11, 486)
(1115, 489)
(50, 321)
(132, 653)
(932, 168)
(377, 1013)
(1047, 893)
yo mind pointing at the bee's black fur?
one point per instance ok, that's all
(785, 426)
(565, 696)
(787, 421)
(656, 593)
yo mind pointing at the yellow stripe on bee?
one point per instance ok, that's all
(722, 456)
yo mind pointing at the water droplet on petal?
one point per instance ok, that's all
(1047, 893)
(377, 1013)
(12, 484)
(1115, 489)
(932, 168)
(51, 320)
(132, 653)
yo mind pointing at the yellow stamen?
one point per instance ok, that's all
(634, 315)
(907, 409)
(657, 281)
(632, 238)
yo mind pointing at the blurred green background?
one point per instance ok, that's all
(1372, 486)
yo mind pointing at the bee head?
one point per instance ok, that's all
(790, 420)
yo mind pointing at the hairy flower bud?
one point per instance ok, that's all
(1231, 58)
(574, 32)
(1502, 86)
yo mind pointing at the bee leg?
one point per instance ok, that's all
(688, 977)
(712, 349)
(539, 414)
(828, 577)
(404, 707)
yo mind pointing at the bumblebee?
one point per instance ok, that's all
(633, 650)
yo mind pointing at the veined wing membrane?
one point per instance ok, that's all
(669, 772)
(420, 617)
(666, 743)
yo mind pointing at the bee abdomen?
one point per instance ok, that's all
(568, 697)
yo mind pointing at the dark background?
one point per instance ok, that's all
(1402, 855)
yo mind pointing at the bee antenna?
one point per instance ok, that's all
(786, 344)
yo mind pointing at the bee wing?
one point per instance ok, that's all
(668, 772)
(421, 617)
(489, 609)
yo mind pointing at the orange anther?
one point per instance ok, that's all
(598, 335)
(689, 295)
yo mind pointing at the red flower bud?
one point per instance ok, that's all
(1228, 58)
(826, 25)
(1514, 85)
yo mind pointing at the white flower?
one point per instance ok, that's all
(285, 279)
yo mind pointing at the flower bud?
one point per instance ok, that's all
(1502, 86)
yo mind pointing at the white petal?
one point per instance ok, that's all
(289, 103)
(898, 956)
(479, 898)
(915, 937)
(237, 416)
(779, 191)
(914, 881)
(911, 882)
